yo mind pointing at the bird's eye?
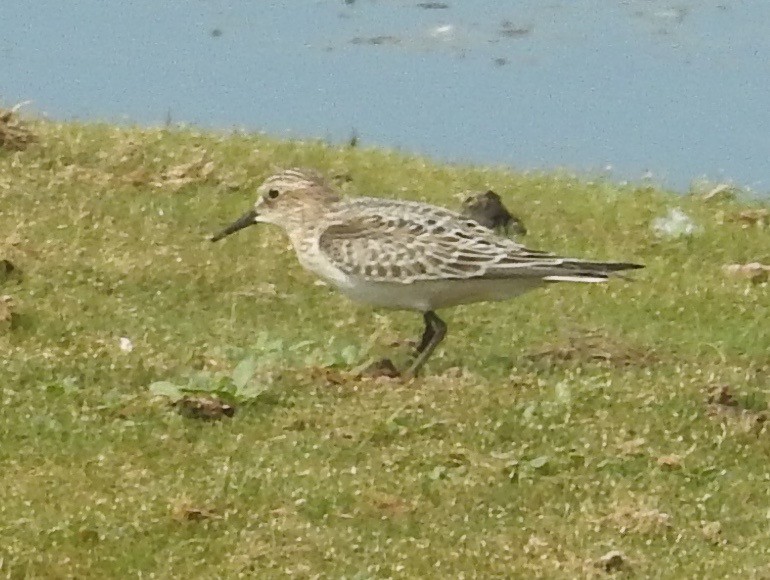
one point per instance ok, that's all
(273, 193)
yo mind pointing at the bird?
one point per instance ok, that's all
(487, 208)
(405, 255)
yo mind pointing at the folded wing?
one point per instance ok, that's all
(388, 241)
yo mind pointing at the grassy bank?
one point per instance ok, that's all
(545, 432)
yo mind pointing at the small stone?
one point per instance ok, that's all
(487, 208)
(612, 561)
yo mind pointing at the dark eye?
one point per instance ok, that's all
(273, 193)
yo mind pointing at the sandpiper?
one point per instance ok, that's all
(405, 254)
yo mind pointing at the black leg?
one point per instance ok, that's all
(427, 335)
(435, 330)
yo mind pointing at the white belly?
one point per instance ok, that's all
(433, 295)
(422, 296)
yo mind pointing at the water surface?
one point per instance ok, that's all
(675, 91)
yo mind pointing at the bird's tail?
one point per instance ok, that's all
(583, 271)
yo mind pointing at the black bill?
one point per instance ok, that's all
(244, 221)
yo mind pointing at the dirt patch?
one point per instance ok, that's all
(594, 346)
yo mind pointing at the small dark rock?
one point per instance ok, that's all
(487, 208)
(612, 561)
(722, 395)
(433, 5)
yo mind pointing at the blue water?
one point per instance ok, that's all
(676, 91)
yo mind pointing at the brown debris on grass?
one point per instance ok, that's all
(184, 511)
(753, 217)
(329, 376)
(721, 395)
(15, 135)
(381, 368)
(633, 447)
(8, 313)
(670, 461)
(723, 190)
(612, 561)
(594, 346)
(754, 271)
(204, 408)
(389, 505)
(631, 519)
(712, 532)
(722, 404)
(197, 170)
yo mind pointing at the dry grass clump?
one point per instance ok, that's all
(15, 134)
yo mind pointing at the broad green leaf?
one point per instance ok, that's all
(243, 372)
(166, 389)
(349, 354)
(250, 392)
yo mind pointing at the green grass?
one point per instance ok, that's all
(545, 432)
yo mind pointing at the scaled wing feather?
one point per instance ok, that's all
(414, 242)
